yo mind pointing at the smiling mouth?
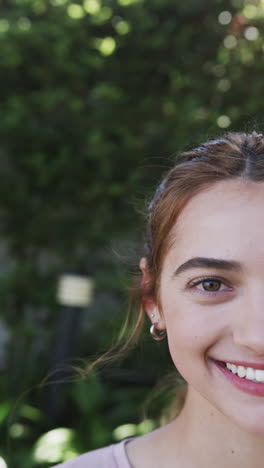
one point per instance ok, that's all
(251, 386)
(245, 373)
(248, 373)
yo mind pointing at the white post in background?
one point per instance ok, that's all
(74, 294)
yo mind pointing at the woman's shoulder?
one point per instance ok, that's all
(112, 456)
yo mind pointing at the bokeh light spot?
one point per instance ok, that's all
(146, 426)
(92, 6)
(224, 85)
(58, 2)
(130, 430)
(24, 23)
(128, 2)
(106, 46)
(54, 446)
(75, 11)
(16, 431)
(225, 17)
(103, 15)
(4, 25)
(250, 11)
(122, 27)
(223, 121)
(230, 41)
(251, 33)
(3, 463)
(39, 7)
(126, 430)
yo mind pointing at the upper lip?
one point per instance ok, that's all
(254, 365)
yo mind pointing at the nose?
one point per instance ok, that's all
(249, 330)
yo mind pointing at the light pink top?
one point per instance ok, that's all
(113, 456)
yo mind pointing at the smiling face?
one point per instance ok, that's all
(215, 310)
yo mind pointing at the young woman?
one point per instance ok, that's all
(202, 288)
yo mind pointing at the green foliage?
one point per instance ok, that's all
(55, 446)
(96, 98)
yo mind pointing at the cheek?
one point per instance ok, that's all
(194, 329)
(191, 334)
(189, 348)
(186, 344)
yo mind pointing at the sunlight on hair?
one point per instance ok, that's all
(92, 6)
(55, 446)
(223, 121)
(3, 463)
(225, 17)
(75, 11)
(230, 41)
(251, 33)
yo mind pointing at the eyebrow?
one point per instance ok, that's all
(214, 263)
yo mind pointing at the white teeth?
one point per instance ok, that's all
(241, 371)
(260, 375)
(251, 374)
(256, 375)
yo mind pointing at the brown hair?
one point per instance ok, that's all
(234, 155)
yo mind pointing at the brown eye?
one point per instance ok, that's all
(211, 285)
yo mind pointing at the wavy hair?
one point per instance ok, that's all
(233, 156)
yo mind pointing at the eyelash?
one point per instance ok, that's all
(221, 281)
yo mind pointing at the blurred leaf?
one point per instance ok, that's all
(89, 394)
(55, 446)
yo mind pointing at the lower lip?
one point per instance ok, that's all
(254, 388)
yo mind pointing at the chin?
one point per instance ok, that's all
(254, 426)
(256, 429)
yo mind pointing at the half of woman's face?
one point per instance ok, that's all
(212, 296)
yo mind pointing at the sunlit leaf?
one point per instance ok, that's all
(55, 446)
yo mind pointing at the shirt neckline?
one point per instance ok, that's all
(120, 454)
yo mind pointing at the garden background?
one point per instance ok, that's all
(97, 98)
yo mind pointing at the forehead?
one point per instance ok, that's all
(226, 219)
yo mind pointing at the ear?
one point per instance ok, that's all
(149, 302)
